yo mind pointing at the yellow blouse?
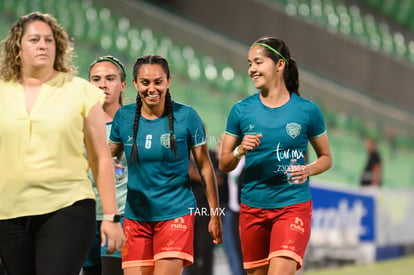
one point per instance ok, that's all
(42, 162)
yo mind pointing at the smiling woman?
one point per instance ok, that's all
(47, 213)
(272, 129)
(159, 200)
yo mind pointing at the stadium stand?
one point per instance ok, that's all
(212, 87)
(400, 10)
(205, 81)
(349, 20)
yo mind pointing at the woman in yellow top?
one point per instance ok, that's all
(47, 206)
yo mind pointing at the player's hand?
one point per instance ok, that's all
(249, 142)
(299, 174)
(215, 229)
(111, 233)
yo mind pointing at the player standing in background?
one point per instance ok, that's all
(108, 74)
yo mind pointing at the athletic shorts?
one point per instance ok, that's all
(147, 242)
(268, 233)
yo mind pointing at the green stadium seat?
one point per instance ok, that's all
(175, 56)
(331, 16)
(344, 19)
(304, 8)
(386, 38)
(400, 45)
(403, 12)
(291, 7)
(411, 50)
(316, 12)
(371, 31)
(136, 44)
(389, 6)
(357, 24)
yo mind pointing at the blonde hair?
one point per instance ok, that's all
(10, 63)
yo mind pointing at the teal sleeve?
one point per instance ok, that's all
(197, 132)
(317, 123)
(233, 122)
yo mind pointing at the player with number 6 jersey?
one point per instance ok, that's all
(157, 135)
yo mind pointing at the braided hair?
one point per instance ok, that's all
(168, 107)
(290, 74)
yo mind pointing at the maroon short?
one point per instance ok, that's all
(268, 233)
(147, 242)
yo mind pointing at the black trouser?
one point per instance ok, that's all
(49, 244)
(2, 271)
(108, 266)
(203, 248)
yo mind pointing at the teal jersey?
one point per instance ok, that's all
(286, 132)
(120, 185)
(158, 183)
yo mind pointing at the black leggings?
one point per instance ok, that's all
(109, 266)
(49, 244)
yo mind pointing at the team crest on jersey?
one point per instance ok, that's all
(165, 140)
(293, 129)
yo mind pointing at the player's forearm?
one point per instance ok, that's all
(209, 178)
(105, 182)
(322, 164)
(228, 162)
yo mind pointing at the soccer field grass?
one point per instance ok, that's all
(400, 266)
